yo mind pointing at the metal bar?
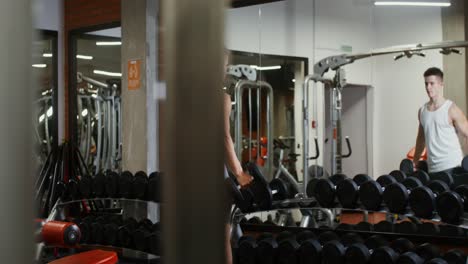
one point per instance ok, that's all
(250, 124)
(92, 81)
(46, 126)
(239, 89)
(259, 114)
(97, 160)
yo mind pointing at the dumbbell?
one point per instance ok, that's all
(243, 198)
(97, 230)
(85, 228)
(361, 253)
(370, 192)
(281, 189)
(452, 204)
(390, 253)
(110, 231)
(154, 187)
(99, 185)
(266, 249)
(141, 235)
(384, 227)
(325, 190)
(347, 190)
(262, 195)
(407, 166)
(337, 252)
(455, 256)
(421, 175)
(429, 229)
(125, 231)
(364, 226)
(125, 185)
(85, 186)
(406, 227)
(421, 254)
(452, 231)
(287, 248)
(396, 194)
(442, 176)
(422, 199)
(247, 250)
(140, 185)
(112, 184)
(154, 239)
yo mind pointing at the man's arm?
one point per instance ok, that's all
(459, 121)
(420, 141)
(231, 158)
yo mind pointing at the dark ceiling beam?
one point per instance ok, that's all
(242, 3)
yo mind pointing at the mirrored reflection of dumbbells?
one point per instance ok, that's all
(451, 205)
(347, 190)
(325, 189)
(371, 192)
(396, 195)
(422, 199)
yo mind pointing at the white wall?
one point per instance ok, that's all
(294, 28)
(399, 85)
(48, 15)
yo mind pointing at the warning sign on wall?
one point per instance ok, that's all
(134, 74)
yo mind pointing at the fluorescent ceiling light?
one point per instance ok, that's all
(41, 118)
(266, 68)
(404, 3)
(47, 55)
(84, 57)
(113, 74)
(108, 43)
(39, 65)
(84, 113)
(293, 80)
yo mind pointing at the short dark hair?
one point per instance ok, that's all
(434, 71)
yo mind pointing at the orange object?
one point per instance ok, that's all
(89, 257)
(410, 154)
(134, 74)
(58, 233)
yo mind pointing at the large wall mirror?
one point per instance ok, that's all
(95, 87)
(44, 68)
(285, 75)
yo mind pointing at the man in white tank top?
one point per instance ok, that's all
(439, 122)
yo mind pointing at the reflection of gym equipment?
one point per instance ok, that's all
(41, 124)
(335, 63)
(240, 87)
(99, 124)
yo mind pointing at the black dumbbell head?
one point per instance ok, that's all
(351, 238)
(337, 178)
(386, 180)
(112, 184)
(125, 185)
(384, 227)
(375, 241)
(310, 191)
(287, 251)
(422, 165)
(361, 178)
(399, 175)
(327, 236)
(364, 226)
(267, 250)
(422, 176)
(370, 195)
(85, 186)
(154, 187)
(325, 192)
(455, 256)
(450, 207)
(263, 196)
(310, 251)
(281, 189)
(305, 235)
(411, 183)
(99, 185)
(406, 227)
(401, 245)
(407, 166)
(384, 255)
(357, 253)
(410, 258)
(140, 185)
(347, 192)
(429, 229)
(334, 252)
(422, 202)
(442, 176)
(396, 197)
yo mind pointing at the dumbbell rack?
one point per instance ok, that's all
(246, 227)
(138, 209)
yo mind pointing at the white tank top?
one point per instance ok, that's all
(443, 147)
